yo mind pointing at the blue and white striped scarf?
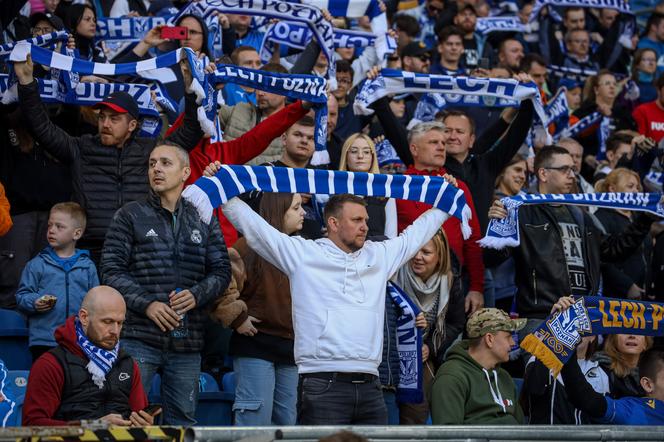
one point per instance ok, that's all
(297, 36)
(505, 232)
(42, 40)
(391, 81)
(308, 15)
(619, 5)
(209, 193)
(7, 405)
(576, 74)
(583, 124)
(386, 154)
(409, 347)
(101, 360)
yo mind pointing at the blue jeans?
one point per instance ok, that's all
(179, 379)
(334, 402)
(265, 394)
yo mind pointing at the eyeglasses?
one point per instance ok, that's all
(565, 170)
(424, 58)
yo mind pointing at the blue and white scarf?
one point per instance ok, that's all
(209, 193)
(391, 81)
(557, 112)
(296, 12)
(619, 5)
(487, 25)
(386, 154)
(576, 74)
(101, 361)
(582, 125)
(88, 94)
(409, 347)
(505, 232)
(42, 40)
(133, 29)
(357, 9)
(297, 36)
(656, 179)
(430, 104)
(8, 405)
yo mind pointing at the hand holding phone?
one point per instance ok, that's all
(153, 409)
(174, 33)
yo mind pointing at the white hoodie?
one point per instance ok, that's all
(338, 297)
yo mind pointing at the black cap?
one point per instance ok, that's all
(54, 20)
(120, 102)
(468, 6)
(415, 49)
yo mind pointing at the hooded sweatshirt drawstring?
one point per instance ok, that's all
(497, 397)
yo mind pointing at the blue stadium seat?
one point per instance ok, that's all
(519, 384)
(16, 384)
(14, 340)
(214, 407)
(154, 395)
(228, 382)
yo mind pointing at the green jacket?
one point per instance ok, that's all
(465, 393)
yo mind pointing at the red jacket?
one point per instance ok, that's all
(239, 151)
(467, 251)
(46, 380)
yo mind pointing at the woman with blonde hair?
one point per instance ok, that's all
(630, 277)
(358, 154)
(431, 280)
(619, 359)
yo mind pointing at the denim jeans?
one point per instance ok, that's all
(265, 394)
(179, 379)
(332, 402)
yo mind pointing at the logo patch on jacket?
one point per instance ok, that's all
(196, 237)
(151, 234)
(123, 376)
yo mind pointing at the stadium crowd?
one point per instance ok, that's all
(120, 278)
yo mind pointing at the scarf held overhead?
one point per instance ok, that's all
(409, 347)
(505, 232)
(391, 81)
(554, 341)
(619, 5)
(209, 193)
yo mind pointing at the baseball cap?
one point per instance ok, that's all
(54, 20)
(120, 102)
(468, 6)
(491, 320)
(415, 49)
(569, 83)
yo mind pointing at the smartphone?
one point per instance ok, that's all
(152, 409)
(484, 64)
(175, 32)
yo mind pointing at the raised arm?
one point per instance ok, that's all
(282, 251)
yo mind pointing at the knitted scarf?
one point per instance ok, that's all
(505, 232)
(101, 361)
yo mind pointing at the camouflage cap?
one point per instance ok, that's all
(491, 320)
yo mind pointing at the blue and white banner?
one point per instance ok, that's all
(619, 5)
(505, 232)
(391, 81)
(409, 347)
(282, 10)
(42, 40)
(297, 36)
(487, 25)
(208, 193)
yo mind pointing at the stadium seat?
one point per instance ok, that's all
(154, 395)
(519, 384)
(214, 407)
(228, 382)
(14, 341)
(17, 383)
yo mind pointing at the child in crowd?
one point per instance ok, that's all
(54, 283)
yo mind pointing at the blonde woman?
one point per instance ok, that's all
(619, 360)
(358, 154)
(429, 278)
(630, 277)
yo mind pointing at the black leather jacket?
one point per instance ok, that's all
(541, 273)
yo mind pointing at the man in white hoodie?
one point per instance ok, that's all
(338, 296)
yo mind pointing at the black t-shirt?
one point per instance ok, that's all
(471, 53)
(572, 238)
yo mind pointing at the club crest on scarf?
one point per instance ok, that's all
(568, 326)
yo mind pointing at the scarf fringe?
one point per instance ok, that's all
(466, 215)
(98, 375)
(199, 199)
(491, 242)
(537, 348)
(320, 157)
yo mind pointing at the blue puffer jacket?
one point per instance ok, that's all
(45, 275)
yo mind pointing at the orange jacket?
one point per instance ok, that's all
(5, 217)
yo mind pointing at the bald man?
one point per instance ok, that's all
(87, 376)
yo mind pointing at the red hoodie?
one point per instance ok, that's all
(239, 151)
(46, 380)
(467, 251)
